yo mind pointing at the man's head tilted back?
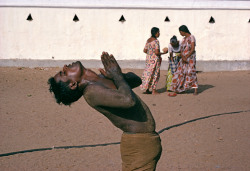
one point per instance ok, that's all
(65, 84)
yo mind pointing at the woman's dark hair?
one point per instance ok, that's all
(173, 39)
(63, 94)
(184, 29)
(154, 31)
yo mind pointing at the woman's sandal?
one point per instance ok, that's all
(147, 92)
(172, 94)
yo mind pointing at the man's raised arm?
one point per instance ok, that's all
(122, 97)
(113, 70)
(131, 78)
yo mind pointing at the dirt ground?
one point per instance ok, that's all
(207, 132)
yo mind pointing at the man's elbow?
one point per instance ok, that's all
(139, 81)
(136, 81)
(133, 80)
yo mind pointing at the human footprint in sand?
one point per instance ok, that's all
(111, 94)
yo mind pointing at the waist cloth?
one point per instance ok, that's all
(140, 151)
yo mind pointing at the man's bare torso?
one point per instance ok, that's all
(137, 119)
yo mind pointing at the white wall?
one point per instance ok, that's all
(53, 33)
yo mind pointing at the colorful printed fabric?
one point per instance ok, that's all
(151, 74)
(185, 76)
(169, 79)
(171, 69)
(173, 64)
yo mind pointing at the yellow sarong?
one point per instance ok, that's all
(169, 79)
(140, 151)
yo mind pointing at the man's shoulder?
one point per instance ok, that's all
(90, 93)
(92, 88)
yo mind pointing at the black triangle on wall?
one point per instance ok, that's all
(29, 18)
(249, 21)
(211, 20)
(167, 19)
(75, 19)
(122, 19)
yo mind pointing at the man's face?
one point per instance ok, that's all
(72, 72)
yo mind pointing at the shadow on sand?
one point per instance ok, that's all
(201, 89)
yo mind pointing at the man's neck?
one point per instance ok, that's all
(90, 75)
(87, 77)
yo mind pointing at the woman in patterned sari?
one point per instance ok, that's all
(185, 76)
(151, 74)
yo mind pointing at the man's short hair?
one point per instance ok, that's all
(63, 93)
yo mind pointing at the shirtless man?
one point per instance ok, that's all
(112, 96)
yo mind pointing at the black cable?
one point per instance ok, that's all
(115, 143)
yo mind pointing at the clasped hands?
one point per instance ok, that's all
(111, 66)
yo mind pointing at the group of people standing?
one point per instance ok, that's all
(182, 63)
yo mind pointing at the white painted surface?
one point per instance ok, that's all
(53, 33)
(213, 4)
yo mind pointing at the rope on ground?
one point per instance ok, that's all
(115, 143)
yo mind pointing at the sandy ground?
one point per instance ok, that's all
(207, 132)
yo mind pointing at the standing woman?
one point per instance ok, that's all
(151, 74)
(185, 76)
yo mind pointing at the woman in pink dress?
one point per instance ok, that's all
(185, 76)
(151, 74)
